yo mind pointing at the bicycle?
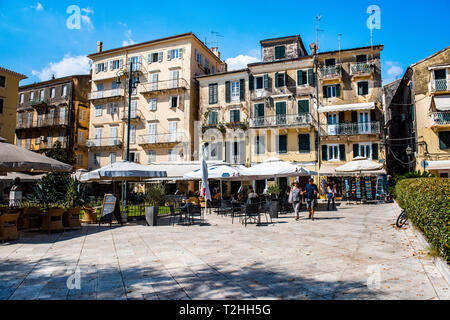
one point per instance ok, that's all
(402, 218)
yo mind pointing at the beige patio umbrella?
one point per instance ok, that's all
(16, 159)
(360, 165)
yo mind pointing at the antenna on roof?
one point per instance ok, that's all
(339, 40)
(317, 31)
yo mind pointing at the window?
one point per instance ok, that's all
(136, 63)
(80, 160)
(235, 115)
(174, 76)
(440, 79)
(152, 133)
(154, 81)
(52, 92)
(2, 81)
(304, 143)
(155, 57)
(259, 82)
(38, 140)
(206, 63)
(213, 70)
(280, 110)
(330, 62)
(112, 157)
(280, 52)
(444, 140)
(213, 117)
(101, 67)
(361, 58)
(303, 106)
(1, 105)
(332, 91)
(213, 99)
(31, 95)
(363, 88)
(132, 133)
(41, 94)
(282, 143)
(174, 54)
(173, 125)
(174, 101)
(115, 64)
(305, 77)
(98, 110)
(365, 150)
(259, 110)
(280, 79)
(260, 144)
(81, 138)
(152, 104)
(22, 98)
(333, 152)
(64, 91)
(97, 159)
(235, 91)
(172, 155)
(151, 156)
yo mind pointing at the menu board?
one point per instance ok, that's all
(110, 208)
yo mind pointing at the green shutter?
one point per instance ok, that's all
(354, 117)
(342, 152)
(360, 91)
(251, 83)
(281, 108)
(266, 81)
(300, 77)
(242, 89)
(324, 90)
(338, 90)
(282, 144)
(227, 91)
(375, 151)
(324, 152)
(211, 94)
(310, 77)
(303, 106)
(304, 145)
(355, 150)
(259, 110)
(276, 80)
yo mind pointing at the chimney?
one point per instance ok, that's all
(312, 47)
(215, 50)
(99, 46)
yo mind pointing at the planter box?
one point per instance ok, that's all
(274, 206)
(52, 220)
(89, 215)
(151, 216)
(30, 219)
(71, 218)
(8, 226)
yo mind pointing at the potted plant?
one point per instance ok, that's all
(74, 200)
(155, 195)
(273, 191)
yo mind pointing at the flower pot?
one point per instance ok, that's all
(52, 220)
(273, 208)
(8, 225)
(71, 218)
(151, 215)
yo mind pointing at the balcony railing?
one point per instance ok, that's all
(41, 123)
(104, 142)
(350, 128)
(331, 72)
(134, 115)
(440, 118)
(440, 85)
(38, 101)
(112, 93)
(163, 85)
(282, 120)
(360, 68)
(158, 138)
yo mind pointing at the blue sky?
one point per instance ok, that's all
(36, 42)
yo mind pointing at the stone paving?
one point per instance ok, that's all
(353, 253)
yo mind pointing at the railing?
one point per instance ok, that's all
(350, 128)
(172, 137)
(40, 123)
(104, 142)
(134, 115)
(331, 71)
(118, 92)
(440, 118)
(360, 68)
(38, 101)
(440, 85)
(282, 119)
(163, 85)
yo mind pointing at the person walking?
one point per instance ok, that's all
(311, 197)
(296, 200)
(329, 195)
(334, 195)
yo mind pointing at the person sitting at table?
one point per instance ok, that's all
(251, 193)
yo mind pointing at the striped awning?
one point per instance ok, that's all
(348, 107)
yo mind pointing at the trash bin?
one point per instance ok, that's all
(151, 215)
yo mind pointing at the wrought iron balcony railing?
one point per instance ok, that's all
(112, 93)
(360, 68)
(172, 137)
(104, 142)
(440, 118)
(163, 85)
(282, 120)
(331, 71)
(350, 128)
(41, 123)
(38, 101)
(440, 85)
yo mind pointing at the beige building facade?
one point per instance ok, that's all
(164, 105)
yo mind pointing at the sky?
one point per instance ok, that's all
(42, 38)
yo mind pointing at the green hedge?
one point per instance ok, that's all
(427, 202)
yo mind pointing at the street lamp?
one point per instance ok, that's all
(409, 153)
(133, 81)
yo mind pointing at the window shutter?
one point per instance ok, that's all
(149, 58)
(105, 66)
(311, 77)
(355, 150)
(160, 56)
(375, 151)
(300, 77)
(303, 106)
(210, 94)
(324, 90)
(111, 65)
(341, 117)
(285, 79)
(342, 152)
(180, 52)
(242, 89)
(169, 55)
(170, 101)
(338, 90)
(373, 115)
(354, 117)
(227, 91)
(129, 61)
(304, 145)
(251, 83)
(276, 80)
(178, 101)
(266, 81)
(120, 64)
(360, 89)
(108, 108)
(96, 68)
(324, 152)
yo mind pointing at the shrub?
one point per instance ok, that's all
(155, 194)
(427, 202)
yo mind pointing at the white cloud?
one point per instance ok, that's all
(128, 33)
(394, 71)
(69, 65)
(240, 61)
(38, 7)
(86, 19)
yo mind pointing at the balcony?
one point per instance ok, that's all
(301, 119)
(176, 85)
(440, 85)
(42, 123)
(343, 129)
(106, 94)
(331, 72)
(38, 102)
(360, 69)
(104, 142)
(135, 115)
(440, 118)
(161, 138)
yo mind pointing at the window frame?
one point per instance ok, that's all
(357, 88)
(284, 52)
(337, 155)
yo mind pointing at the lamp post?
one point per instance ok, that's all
(132, 82)
(409, 153)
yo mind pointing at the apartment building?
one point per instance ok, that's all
(9, 86)
(425, 106)
(55, 110)
(164, 105)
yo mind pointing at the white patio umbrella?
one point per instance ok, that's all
(123, 171)
(276, 168)
(214, 173)
(360, 165)
(17, 159)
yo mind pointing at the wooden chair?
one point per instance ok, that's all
(71, 218)
(8, 225)
(52, 220)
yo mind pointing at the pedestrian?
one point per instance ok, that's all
(296, 200)
(334, 195)
(330, 194)
(311, 197)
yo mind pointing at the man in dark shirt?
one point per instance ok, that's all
(311, 197)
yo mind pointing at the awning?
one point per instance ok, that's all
(330, 171)
(10, 176)
(348, 107)
(177, 169)
(442, 103)
(438, 165)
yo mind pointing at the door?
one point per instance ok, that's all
(174, 78)
(332, 124)
(133, 110)
(154, 81)
(62, 115)
(364, 122)
(172, 131)
(281, 112)
(259, 114)
(97, 136)
(112, 135)
(152, 133)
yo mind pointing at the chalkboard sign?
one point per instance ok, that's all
(110, 207)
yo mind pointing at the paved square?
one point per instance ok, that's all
(353, 253)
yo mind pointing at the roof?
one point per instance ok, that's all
(52, 81)
(278, 61)
(13, 73)
(376, 47)
(222, 73)
(429, 57)
(390, 89)
(142, 44)
(296, 37)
